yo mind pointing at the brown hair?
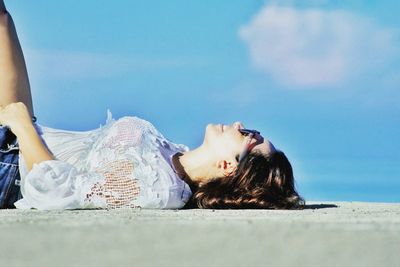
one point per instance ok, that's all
(259, 182)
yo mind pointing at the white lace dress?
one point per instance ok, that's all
(127, 163)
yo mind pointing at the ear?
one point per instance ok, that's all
(227, 166)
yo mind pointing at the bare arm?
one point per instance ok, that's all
(14, 82)
(31, 146)
(17, 117)
(14, 88)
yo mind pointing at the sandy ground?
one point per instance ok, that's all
(324, 234)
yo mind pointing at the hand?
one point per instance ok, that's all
(14, 116)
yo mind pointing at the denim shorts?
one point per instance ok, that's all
(9, 170)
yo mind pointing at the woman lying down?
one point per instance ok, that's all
(127, 163)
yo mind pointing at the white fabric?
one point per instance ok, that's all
(127, 163)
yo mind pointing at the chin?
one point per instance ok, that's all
(211, 132)
(211, 127)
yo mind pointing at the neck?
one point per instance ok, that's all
(195, 165)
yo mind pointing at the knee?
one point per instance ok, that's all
(4, 18)
(2, 6)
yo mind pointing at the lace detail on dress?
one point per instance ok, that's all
(119, 189)
(116, 157)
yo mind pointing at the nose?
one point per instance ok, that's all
(238, 125)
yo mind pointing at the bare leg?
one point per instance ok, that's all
(14, 82)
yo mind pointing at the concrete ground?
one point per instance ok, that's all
(325, 234)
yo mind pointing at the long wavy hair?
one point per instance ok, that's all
(259, 182)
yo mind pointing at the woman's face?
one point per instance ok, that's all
(226, 142)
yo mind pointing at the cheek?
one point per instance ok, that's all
(228, 145)
(222, 142)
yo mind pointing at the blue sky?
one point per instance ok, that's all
(320, 79)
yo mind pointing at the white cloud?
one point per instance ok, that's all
(317, 48)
